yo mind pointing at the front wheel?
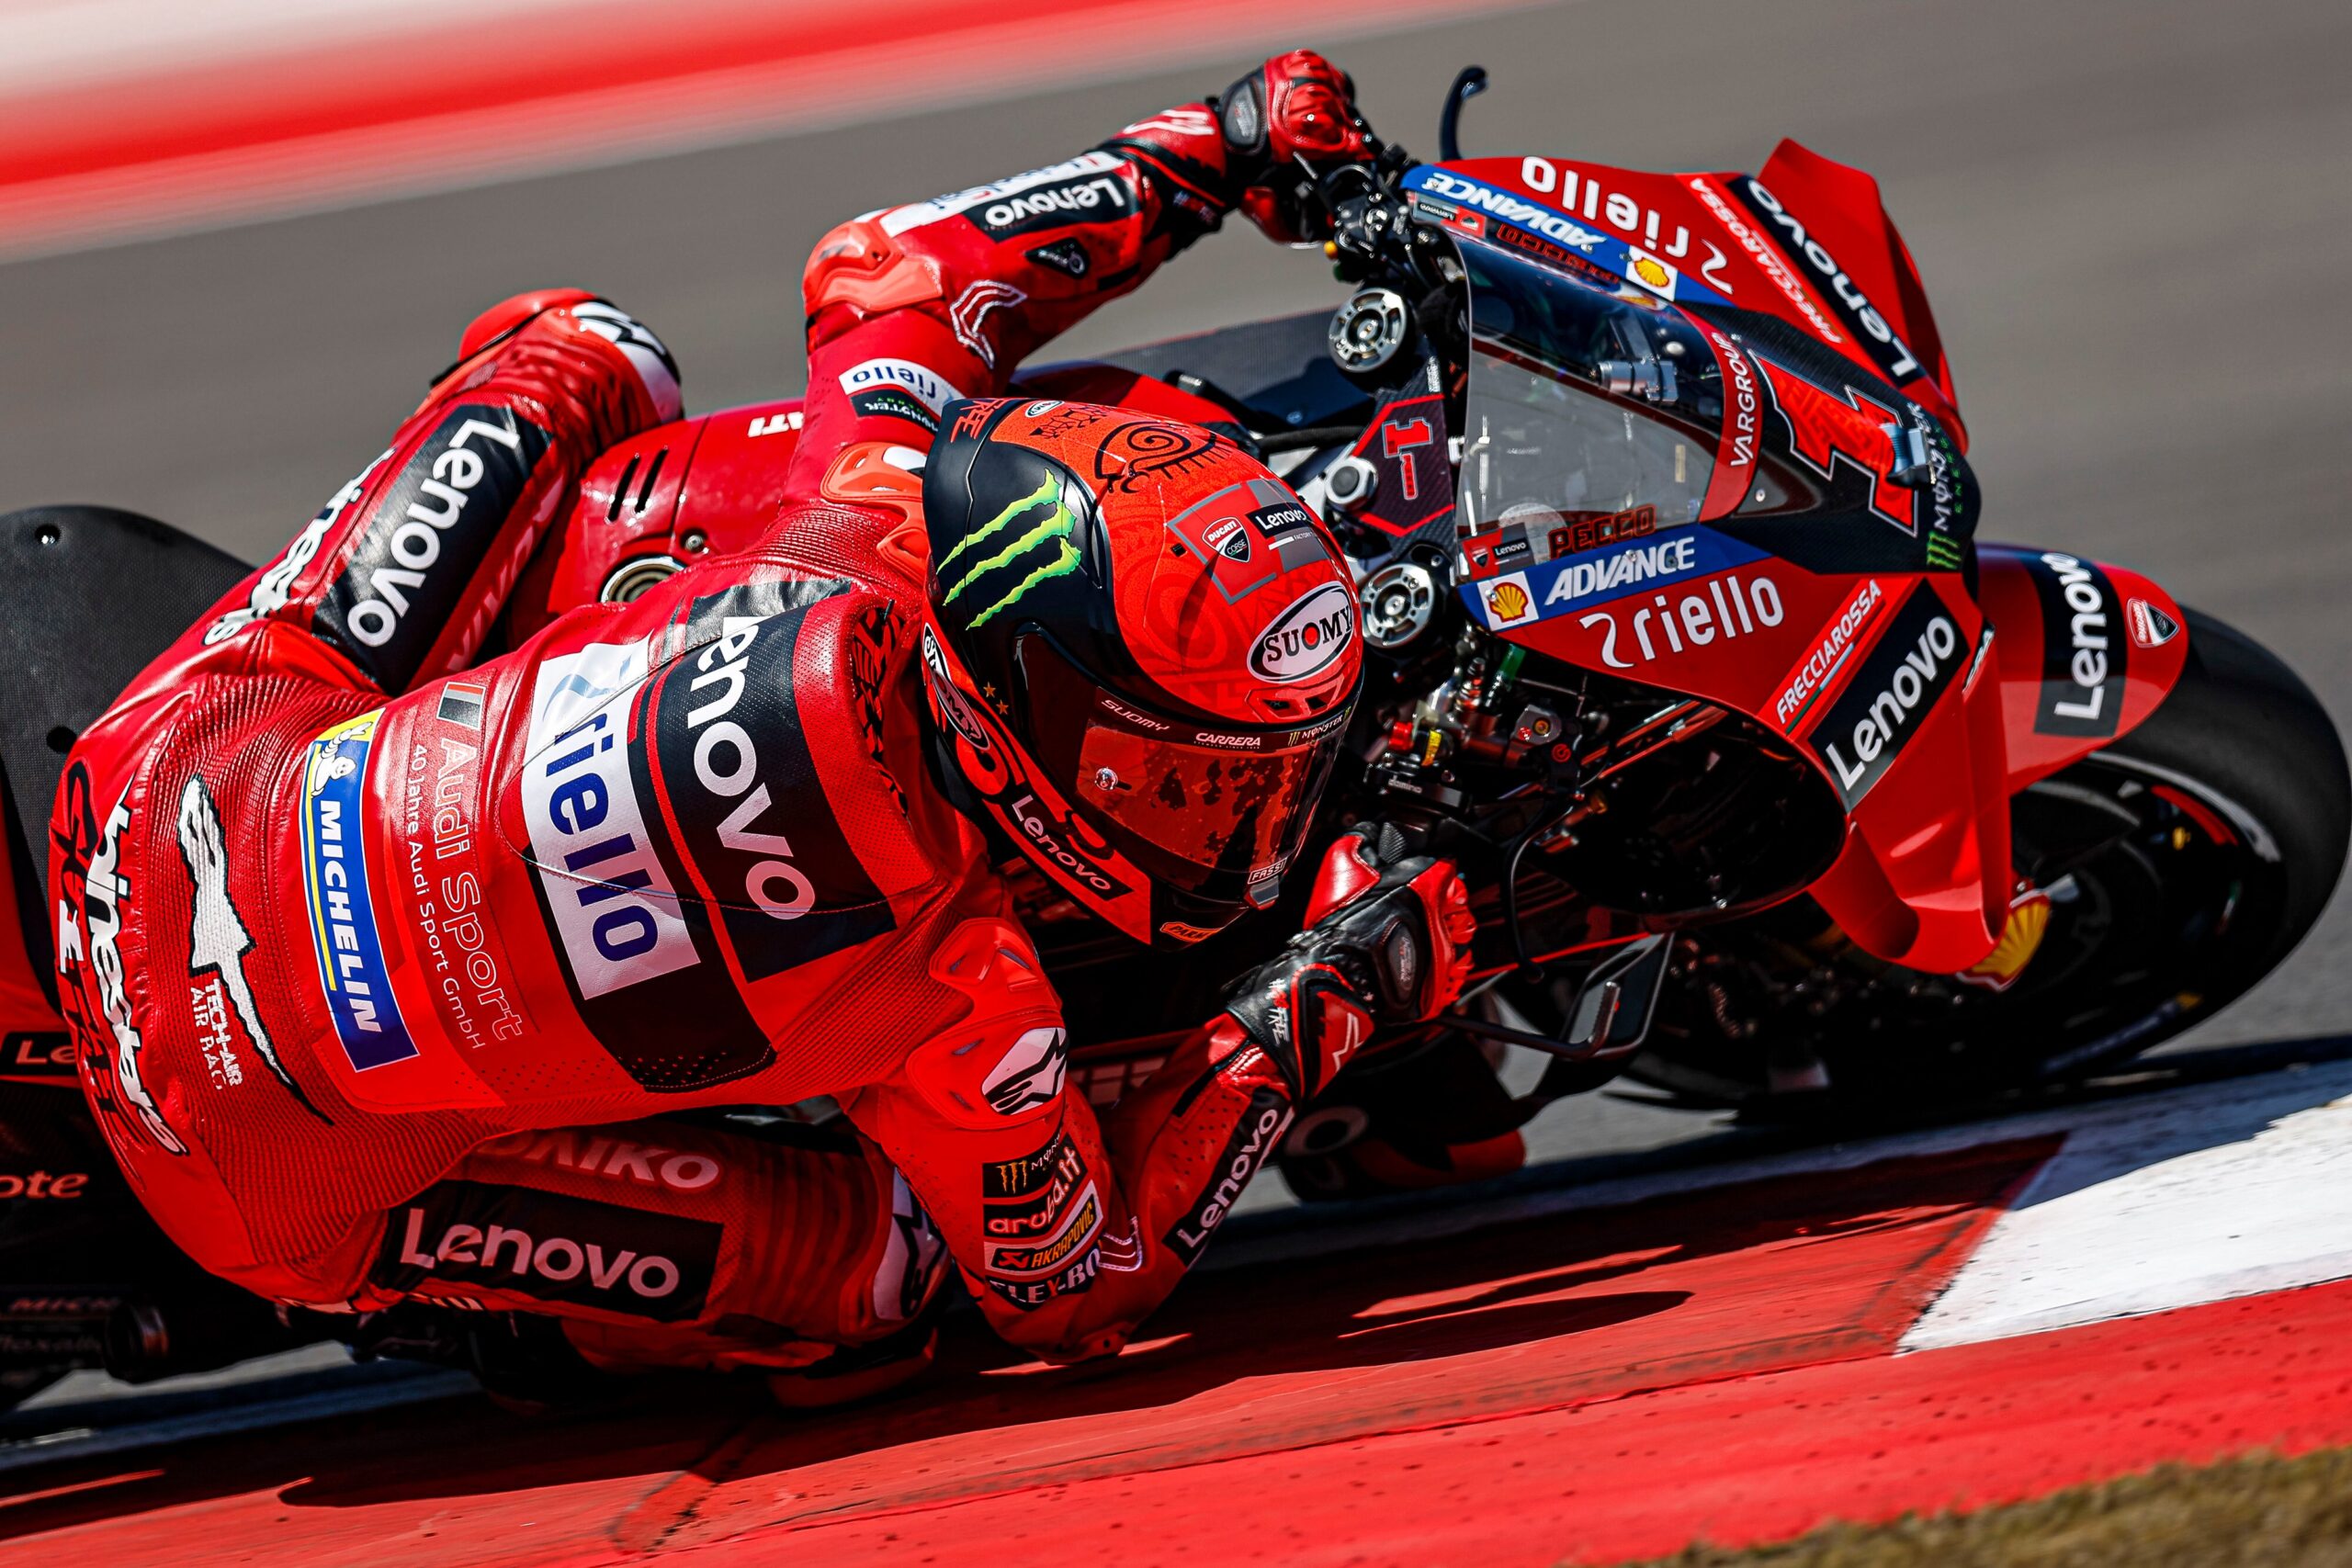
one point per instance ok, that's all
(2183, 862)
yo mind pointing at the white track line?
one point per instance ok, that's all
(2232, 1191)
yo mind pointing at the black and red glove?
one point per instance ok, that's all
(1388, 943)
(1297, 106)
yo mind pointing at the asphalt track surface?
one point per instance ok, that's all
(2130, 217)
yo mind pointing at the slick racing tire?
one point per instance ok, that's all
(2184, 860)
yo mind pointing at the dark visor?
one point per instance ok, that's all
(1208, 810)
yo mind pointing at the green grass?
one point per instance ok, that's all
(2276, 1512)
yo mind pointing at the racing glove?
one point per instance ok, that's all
(1296, 106)
(1388, 943)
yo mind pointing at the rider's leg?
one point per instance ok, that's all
(671, 1243)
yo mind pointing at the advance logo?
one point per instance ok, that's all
(1890, 696)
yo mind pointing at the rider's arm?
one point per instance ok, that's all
(1070, 1232)
(398, 579)
(914, 306)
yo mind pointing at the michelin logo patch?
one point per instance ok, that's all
(343, 919)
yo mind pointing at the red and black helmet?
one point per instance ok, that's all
(1143, 650)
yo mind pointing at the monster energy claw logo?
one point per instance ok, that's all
(1054, 528)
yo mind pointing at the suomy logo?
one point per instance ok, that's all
(1305, 639)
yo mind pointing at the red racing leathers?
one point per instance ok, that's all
(379, 961)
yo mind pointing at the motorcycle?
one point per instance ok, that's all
(1775, 786)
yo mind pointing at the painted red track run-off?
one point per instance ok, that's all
(1595, 1385)
(518, 85)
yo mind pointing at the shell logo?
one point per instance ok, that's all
(1651, 274)
(1507, 601)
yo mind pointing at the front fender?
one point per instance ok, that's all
(2083, 652)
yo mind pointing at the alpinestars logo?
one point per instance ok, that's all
(647, 353)
(217, 938)
(103, 888)
(911, 1266)
(1031, 535)
(1028, 1075)
(970, 312)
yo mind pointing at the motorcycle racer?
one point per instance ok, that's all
(395, 977)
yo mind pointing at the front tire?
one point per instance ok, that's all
(2185, 860)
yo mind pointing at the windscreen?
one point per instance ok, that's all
(1586, 403)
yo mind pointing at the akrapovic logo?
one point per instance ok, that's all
(434, 526)
(614, 911)
(1304, 639)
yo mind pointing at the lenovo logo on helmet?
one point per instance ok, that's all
(1305, 639)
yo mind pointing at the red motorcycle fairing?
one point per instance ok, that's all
(2086, 653)
(1801, 565)
(1807, 240)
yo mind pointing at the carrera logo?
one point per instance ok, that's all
(1305, 639)
(551, 1248)
(1891, 693)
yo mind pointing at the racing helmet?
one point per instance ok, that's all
(1142, 650)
